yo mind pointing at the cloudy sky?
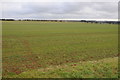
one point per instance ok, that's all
(60, 10)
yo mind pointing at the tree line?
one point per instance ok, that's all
(85, 21)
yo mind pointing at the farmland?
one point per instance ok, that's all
(31, 47)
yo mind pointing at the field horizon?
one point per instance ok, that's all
(87, 49)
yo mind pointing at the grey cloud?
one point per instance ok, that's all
(57, 10)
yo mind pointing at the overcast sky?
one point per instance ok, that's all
(60, 10)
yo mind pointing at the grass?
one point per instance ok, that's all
(105, 68)
(29, 45)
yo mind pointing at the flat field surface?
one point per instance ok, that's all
(32, 45)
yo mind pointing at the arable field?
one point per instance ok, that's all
(59, 49)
